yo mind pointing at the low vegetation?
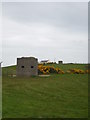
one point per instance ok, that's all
(56, 96)
(42, 69)
(49, 69)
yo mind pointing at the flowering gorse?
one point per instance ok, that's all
(76, 71)
(42, 69)
(48, 69)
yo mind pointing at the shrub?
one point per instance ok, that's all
(87, 71)
(49, 69)
(76, 71)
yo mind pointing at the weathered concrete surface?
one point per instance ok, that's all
(27, 66)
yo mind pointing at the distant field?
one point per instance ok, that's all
(56, 96)
(64, 67)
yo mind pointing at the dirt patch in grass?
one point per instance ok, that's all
(44, 75)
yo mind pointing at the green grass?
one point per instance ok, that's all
(0, 97)
(56, 96)
(12, 69)
(66, 67)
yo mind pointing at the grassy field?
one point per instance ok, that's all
(12, 69)
(56, 96)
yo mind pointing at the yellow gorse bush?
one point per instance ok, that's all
(76, 71)
(42, 69)
(49, 69)
(87, 71)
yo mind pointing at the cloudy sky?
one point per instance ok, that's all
(47, 30)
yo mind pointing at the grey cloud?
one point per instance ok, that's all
(45, 0)
(45, 30)
(58, 14)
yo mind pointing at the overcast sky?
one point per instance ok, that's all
(54, 31)
(44, 0)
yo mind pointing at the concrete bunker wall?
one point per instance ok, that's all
(27, 66)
